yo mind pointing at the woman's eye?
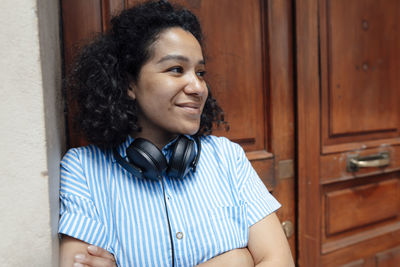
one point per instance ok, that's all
(176, 69)
(201, 73)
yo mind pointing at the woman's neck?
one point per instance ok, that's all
(158, 139)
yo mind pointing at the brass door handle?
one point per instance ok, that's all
(288, 228)
(379, 160)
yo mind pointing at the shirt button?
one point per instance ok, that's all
(179, 235)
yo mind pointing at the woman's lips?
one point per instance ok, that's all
(191, 107)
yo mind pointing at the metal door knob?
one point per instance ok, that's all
(288, 228)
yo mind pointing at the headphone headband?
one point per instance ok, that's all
(147, 161)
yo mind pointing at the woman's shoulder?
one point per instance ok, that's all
(84, 153)
(218, 141)
(220, 144)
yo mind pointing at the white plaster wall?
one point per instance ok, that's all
(31, 132)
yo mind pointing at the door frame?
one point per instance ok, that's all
(281, 78)
(308, 133)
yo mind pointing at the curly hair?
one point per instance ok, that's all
(100, 78)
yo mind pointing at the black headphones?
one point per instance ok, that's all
(147, 161)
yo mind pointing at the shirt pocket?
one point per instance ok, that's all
(230, 226)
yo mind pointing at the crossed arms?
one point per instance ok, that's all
(267, 246)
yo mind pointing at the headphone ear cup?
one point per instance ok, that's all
(182, 157)
(148, 158)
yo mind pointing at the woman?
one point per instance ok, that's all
(155, 189)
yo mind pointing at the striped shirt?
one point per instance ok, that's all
(210, 210)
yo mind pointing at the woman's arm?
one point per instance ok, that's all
(268, 244)
(74, 252)
(240, 257)
(98, 257)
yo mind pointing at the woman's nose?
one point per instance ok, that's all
(195, 85)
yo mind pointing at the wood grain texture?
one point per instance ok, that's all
(363, 65)
(360, 70)
(334, 169)
(343, 110)
(110, 8)
(308, 138)
(361, 205)
(81, 21)
(362, 233)
(357, 263)
(279, 30)
(357, 145)
(265, 169)
(386, 240)
(388, 258)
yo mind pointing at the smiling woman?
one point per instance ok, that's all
(171, 90)
(141, 194)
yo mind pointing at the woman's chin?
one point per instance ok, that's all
(190, 131)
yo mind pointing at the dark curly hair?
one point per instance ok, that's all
(104, 69)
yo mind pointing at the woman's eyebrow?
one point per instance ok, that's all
(178, 58)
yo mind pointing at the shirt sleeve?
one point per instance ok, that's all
(252, 190)
(78, 214)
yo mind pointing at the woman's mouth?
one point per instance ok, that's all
(191, 107)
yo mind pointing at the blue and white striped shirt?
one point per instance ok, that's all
(210, 211)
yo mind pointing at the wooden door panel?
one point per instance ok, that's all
(357, 206)
(360, 91)
(388, 258)
(348, 106)
(355, 211)
(334, 165)
(86, 20)
(385, 240)
(363, 60)
(360, 70)
(357, 263)
(109, 8)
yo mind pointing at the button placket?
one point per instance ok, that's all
(176, 227)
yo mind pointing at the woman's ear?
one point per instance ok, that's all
(131, 91)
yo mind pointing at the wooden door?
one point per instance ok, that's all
(250, 70)
(348, 86)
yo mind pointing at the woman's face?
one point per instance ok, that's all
(171, 91)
